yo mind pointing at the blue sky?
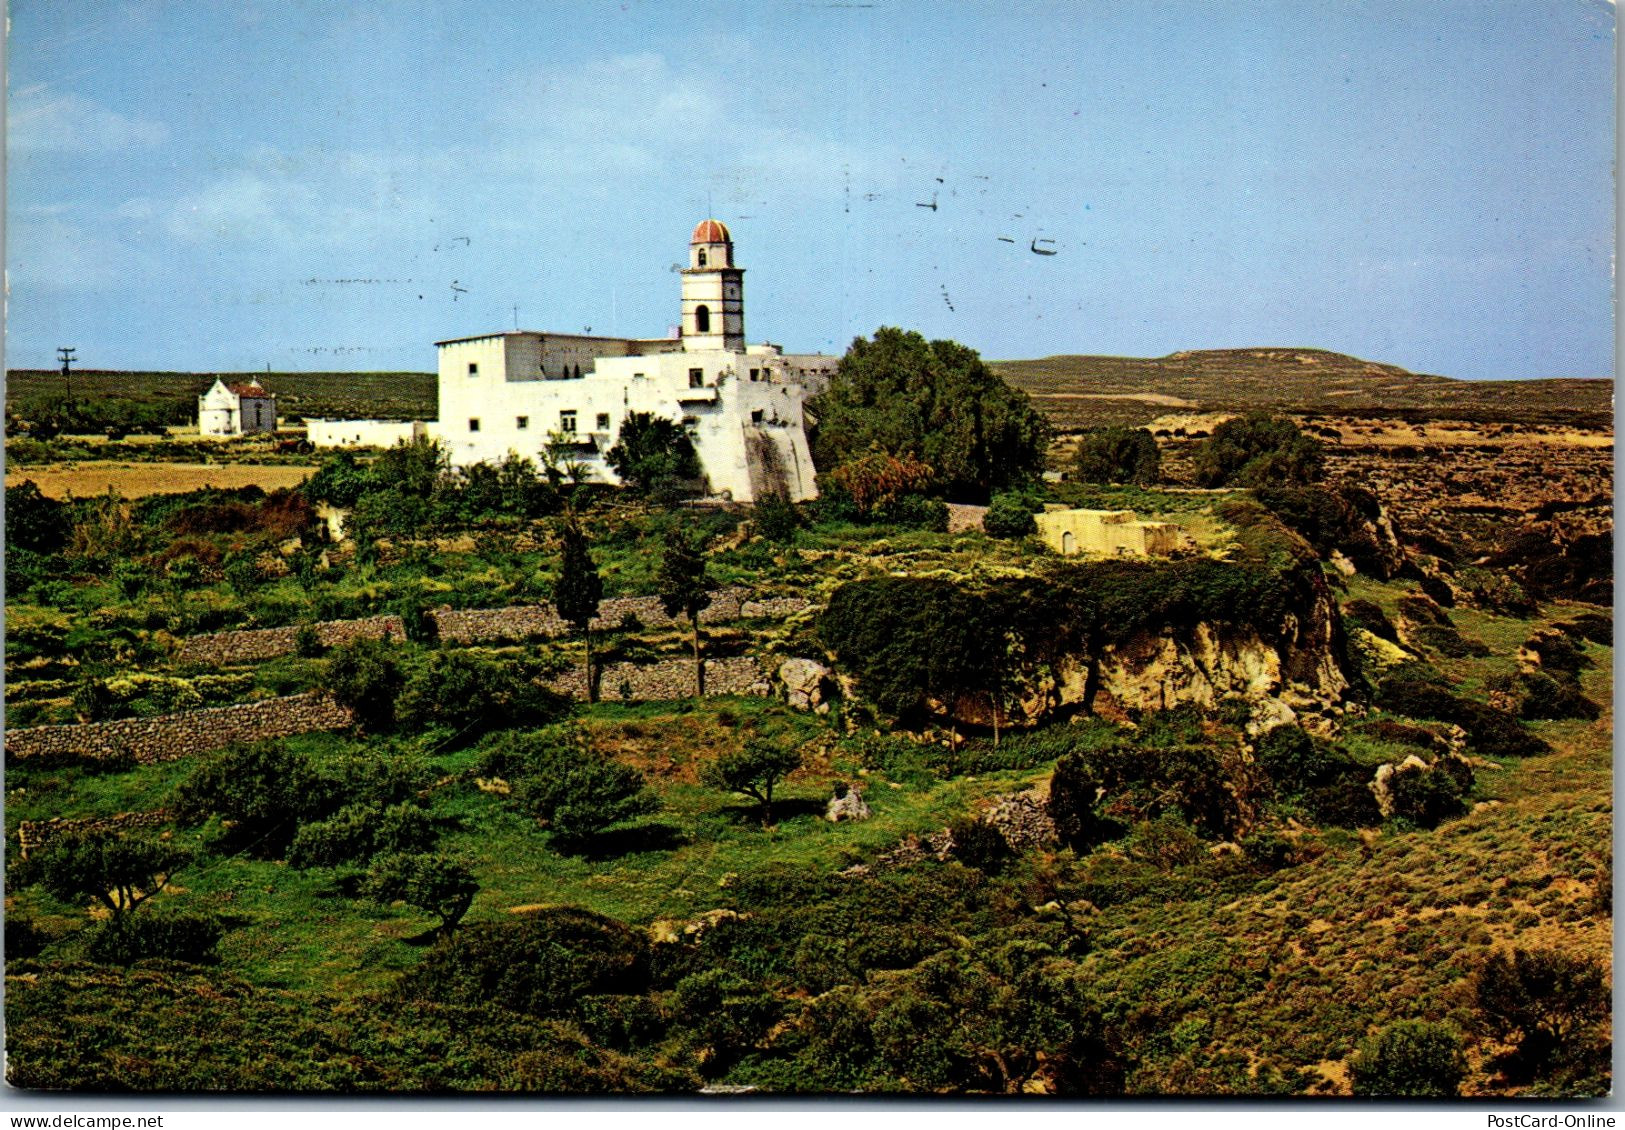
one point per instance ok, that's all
(316, 185)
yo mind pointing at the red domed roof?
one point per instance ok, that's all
(711, 231)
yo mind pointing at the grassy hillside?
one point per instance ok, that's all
(404, 396)
(1081, 391)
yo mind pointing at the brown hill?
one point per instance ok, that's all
(1077, 391)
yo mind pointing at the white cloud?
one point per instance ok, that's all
(40, 121)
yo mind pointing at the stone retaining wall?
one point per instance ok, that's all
(170, 736)
(477, 625)
(35, 834)
(669, 679)
(256, 644)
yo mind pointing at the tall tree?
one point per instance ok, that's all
(685, 590)
(933, 401)
(579, 590)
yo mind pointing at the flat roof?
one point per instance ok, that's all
(549, 333)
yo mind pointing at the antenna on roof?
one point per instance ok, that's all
(516, 315)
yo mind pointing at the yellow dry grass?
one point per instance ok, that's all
(137, 480)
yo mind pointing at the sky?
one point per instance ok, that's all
(314, 185)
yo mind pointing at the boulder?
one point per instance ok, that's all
(1023, 820)
(806, 684)
(1269, 714)
(846, 804)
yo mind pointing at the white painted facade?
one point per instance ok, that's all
(519, 391)
(362, 433)
(234, 410)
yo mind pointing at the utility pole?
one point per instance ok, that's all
(65, 355)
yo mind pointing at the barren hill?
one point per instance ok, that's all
(1077, 391)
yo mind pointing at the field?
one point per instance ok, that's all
(138, 480)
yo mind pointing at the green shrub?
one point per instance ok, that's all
(776, 518)
(1426, 796)
(1410, 1059)
(543, 965)
(173, 936)
(1551, 1003)
(470, 695)
(1118, 455)
(1010, 516)
(307, 644)
(1294, 760)
(573, 790)
(979, 844)
(366, 676)
(359, 831)
(1258, 449)
(436, 884)
(1493, 733)
(263, 790)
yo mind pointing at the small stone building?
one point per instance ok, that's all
(234, 410)
(1113, 533)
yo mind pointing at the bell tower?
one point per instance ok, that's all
(713, 292)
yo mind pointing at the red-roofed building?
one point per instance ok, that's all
(234, 410)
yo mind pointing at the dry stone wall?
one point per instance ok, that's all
(532, 621)
(669, 679)
(35, 834)
(171, 736)
(256, 644)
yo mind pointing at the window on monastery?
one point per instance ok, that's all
(473, 368)
(521, 422)
(696, 378)
(756, 416)
(756, 374)
(567, 422)
(473, 424)
(702, 256)
(702, 319)
(603, 421)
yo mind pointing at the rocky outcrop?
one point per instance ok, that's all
(847, 804)
(1023, 820)
(807, 684)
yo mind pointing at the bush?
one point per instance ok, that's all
(359, 831)
(1010, 516)
(576, 792)
(470, 695)
(436, 884)
(1493, 733)
(934, 402)
(34, 522)
(1548, 1001)
(1426, 796)
(776, 518)
(173, 936)
(264, 791)
(543, 965)
(979, 844)
(1118, 455)
(653, 453)
(1258, 449)
(1410, 1059)
(1295, 761)
(307, 644)
(366, 676)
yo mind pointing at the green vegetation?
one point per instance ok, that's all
(935, 402)
(1258, 450)
(654, 455)
(1118, 455)
(483, 886)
